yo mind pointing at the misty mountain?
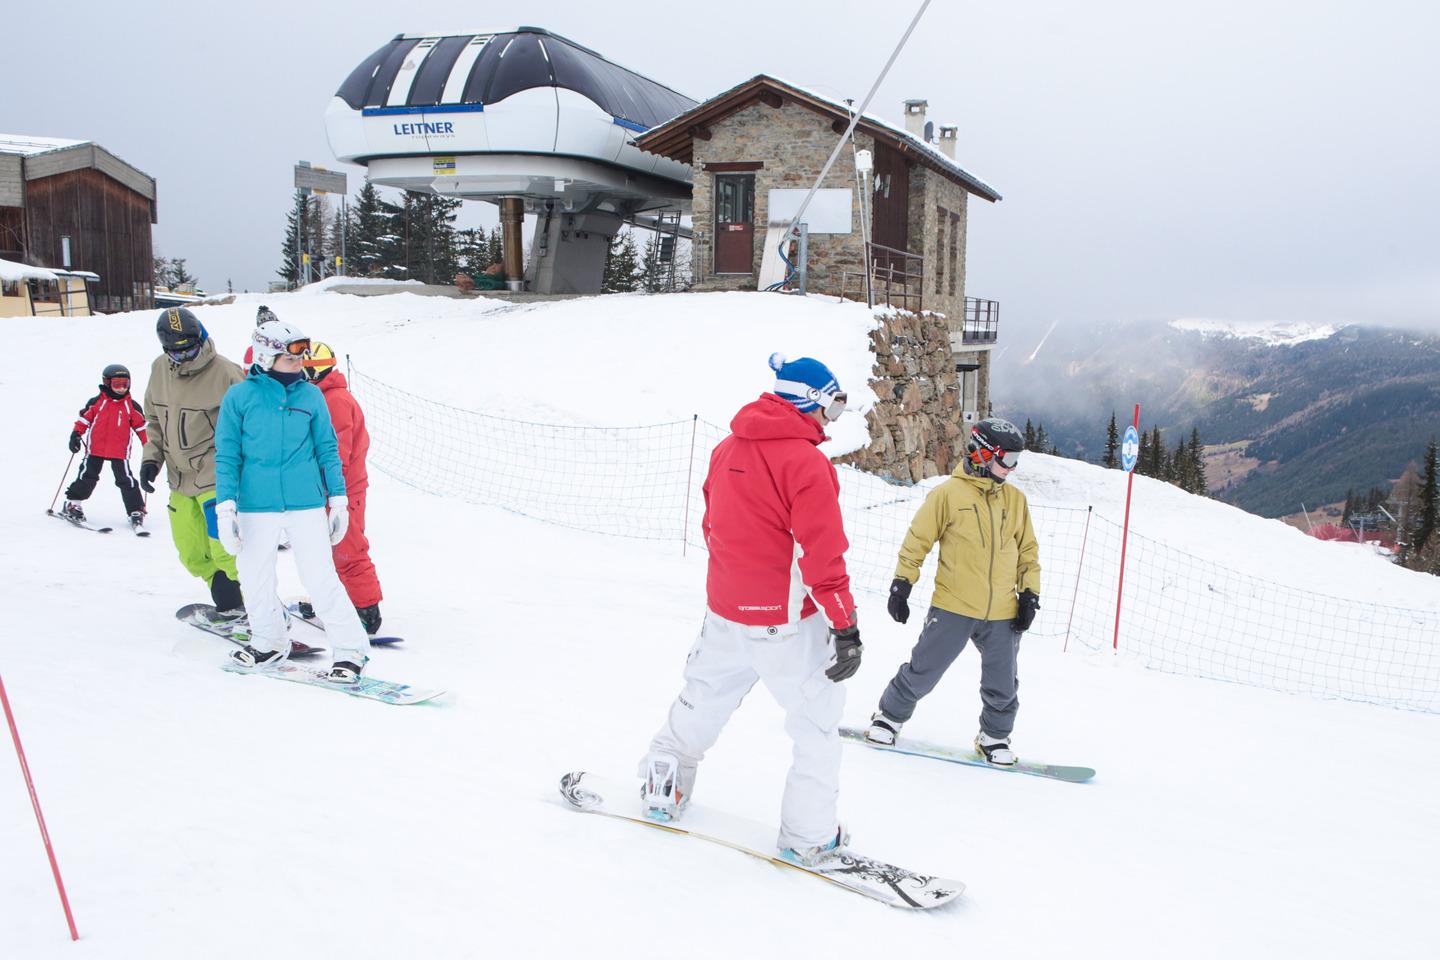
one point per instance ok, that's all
(1288, 415)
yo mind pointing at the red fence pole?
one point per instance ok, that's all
(1124, 540)
(39, 817)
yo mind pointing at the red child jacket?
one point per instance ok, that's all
(772, 521)
(110, 420)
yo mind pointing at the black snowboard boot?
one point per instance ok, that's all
(370, 618)
(225, 593)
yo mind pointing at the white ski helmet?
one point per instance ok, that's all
(275, 337)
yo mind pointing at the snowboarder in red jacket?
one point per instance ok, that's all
(110, 417)
(352, 554)
(779, 608)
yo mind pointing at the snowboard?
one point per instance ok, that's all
(195, 614)
(871, 878)
(366, 688)
(302, 611)
(919, 748)
(82, 524)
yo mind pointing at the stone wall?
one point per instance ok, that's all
(916, 429)
(793, 143)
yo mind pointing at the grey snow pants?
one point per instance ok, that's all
(941, 640)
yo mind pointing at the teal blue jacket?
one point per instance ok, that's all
(275, 448)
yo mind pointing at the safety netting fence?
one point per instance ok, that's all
(1181, 613)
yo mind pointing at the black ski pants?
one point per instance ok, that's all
(84, 484)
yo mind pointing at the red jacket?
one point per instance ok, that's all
(772, 521)
(349, 422)
(110, 419)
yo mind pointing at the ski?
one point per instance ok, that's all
(918, 748)
(868, 877)
(366, 688)
(135, 529)
(82, 524)
(302, 611)
(201, 616)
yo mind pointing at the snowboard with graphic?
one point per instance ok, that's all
(868, 877)
(202, 617)
(968, 756)
(366, 688)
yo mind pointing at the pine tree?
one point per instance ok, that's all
(290, 250)
(621, 265)
(472, 251)
(1349, 507)
(1029, 435)
(1159, 460)
(1199, 484)
(1042, 440)
(338, 244)
(1180, 473)
(1142, 459)
(495, 248)
(1111, 460)
(317, 234)
(1429, 506)
(368, 233)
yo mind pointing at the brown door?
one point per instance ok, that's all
(734, 223)
(890, 225)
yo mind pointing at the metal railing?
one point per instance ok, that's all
(896, 277)
(982, 320)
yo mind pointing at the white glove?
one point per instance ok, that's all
(339, 519)
(229, 527)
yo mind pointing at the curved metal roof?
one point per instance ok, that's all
(412, 72)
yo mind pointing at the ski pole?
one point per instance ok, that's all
(39, 817)
(62, 482)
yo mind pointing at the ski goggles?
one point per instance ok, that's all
(298, 348)
(1009, 459)
(183, 354)
(119, 383)
(831, 404)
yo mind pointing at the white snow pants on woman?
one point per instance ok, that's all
(309, 535)
(791, 659)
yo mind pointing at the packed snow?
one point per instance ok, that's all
(200, 814)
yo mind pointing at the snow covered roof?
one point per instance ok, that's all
(12, 272)
(674, 138)
(28, 146)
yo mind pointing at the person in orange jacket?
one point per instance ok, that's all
(352, 554)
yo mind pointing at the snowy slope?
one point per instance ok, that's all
(198, 814)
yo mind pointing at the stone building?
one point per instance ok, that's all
(756, 149)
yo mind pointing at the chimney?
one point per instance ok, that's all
(915, 117)
(947, 141)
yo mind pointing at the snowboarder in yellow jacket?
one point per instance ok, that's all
(987, 589)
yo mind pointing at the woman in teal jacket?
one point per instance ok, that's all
(277, 468)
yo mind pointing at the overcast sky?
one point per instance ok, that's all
(1247, 160)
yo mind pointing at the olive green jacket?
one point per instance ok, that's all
(182, 406)
(988, 552)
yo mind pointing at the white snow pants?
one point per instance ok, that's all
(791, 659)
(309, 535)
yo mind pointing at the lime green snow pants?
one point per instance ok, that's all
(192, 525)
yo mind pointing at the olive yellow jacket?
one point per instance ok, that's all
(988, 552)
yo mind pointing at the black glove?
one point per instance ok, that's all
(847, 653)
(74, 441)
(1029, 603)
(149, 470)
(899, 605)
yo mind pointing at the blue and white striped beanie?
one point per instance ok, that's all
(795, 379)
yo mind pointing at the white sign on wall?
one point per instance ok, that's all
(829, 210)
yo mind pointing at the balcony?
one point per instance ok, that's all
(982, 321)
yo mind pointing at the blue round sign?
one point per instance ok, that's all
(1130, 449)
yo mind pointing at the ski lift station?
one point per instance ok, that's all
(525, 119)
